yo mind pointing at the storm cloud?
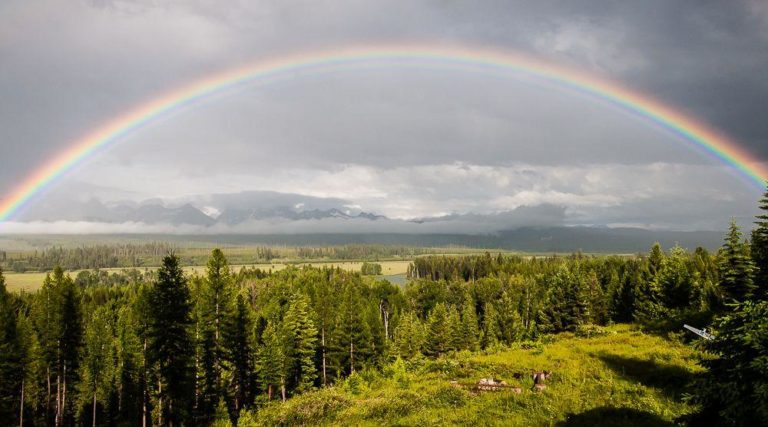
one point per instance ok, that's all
(398, 141)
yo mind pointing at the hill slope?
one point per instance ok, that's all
(623, 377)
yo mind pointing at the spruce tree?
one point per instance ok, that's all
(129, 365)
(169, 343)
(70, 337)
(301, 338)
(409, 336)
(31, 368)
(270, 359)
(11, 372)
(469, 328)
(352, 334)
(759, 250)
(215, 310)
(239, 356)
(509, 321)
(98, 367)
(490, 333)
(440, 336)
(736, 267)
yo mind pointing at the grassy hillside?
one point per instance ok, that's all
(622, 377)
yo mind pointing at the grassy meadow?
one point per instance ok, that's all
(33, 280)
(620, 377)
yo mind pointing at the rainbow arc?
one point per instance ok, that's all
(687, 128)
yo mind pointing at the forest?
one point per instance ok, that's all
(224, 347)
(150, 254)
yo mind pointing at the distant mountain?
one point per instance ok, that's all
(239, 216)
(526, 239)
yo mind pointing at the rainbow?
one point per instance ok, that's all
(687, 128)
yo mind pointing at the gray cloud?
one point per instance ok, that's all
(391, 140)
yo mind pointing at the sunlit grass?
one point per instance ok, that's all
(623, 377)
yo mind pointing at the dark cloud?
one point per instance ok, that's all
(389, 139)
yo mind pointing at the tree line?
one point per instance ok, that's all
(86, 257)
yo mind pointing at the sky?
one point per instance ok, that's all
(404, 142)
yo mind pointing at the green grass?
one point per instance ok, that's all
(624, 377)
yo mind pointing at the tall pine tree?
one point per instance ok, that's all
(301, 338)
(759, 250)
(736, 267)
(11, 372)
(169, 343)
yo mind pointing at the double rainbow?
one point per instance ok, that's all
(687, 128)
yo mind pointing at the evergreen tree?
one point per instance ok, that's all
(470, 332)
(509, 321)
(128, 368)
(454, 326)
(11, 372)
(567, 305)
(596, 299)
(736, 266)
(239, 356)
(169, 343)
(270, 359)
(409, 336)
(490, 333)
(655, 259)
(98, 364)
(676, 282)
(440, 336)
(218, 296)
(732, 390)
(759, 250)
(31, 368)
(69, 341)
(352, 334)
(301, 338)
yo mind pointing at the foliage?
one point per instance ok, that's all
(738, 372)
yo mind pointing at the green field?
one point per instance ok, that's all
(624, 377)
(33, 280)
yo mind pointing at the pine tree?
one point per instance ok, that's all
(409, 336)
(11, 373)
(454, 327)
(239, 356)
(509, 321)
(567, 306)
(69, 342)
(301, 338)
(352, 334)
(31, 368)
(675, 280)
(655, 259)
(98, 363)
(490, 333)
(215, 304)
(731, 391)
(324, 299)
(45, 316)
(440, 336)
(129, 362)
(759, 250)
(469, 328)
(270, 359)
(169, 342)
(736, 266)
